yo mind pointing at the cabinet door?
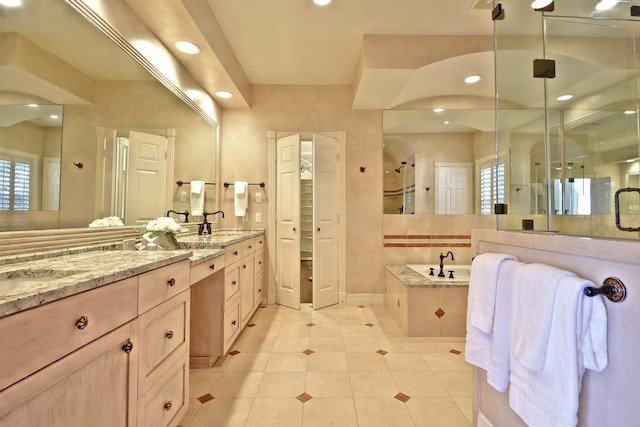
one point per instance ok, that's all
(93, 386)
(246, 281)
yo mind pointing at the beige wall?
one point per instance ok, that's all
(244, 154)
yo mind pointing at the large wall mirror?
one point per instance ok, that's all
(433, 160)
(59, 89)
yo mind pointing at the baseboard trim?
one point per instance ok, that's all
(360, 299)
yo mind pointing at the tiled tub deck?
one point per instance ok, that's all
(423, 308)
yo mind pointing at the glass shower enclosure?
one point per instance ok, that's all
(567, 97)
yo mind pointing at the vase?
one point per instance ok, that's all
(156, 243)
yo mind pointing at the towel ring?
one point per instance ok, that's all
(612, 288)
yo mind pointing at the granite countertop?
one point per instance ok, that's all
(412, 279)
(88, 270)
(52, 275)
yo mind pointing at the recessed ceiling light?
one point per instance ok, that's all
(11, 3)
(224, 94)
(54, 116)
(446, 122)
(606, 4)
(32, 105)
(564, 97)
(475, 78)
(539, 4)
(630, 160)
(187, 47)
(322, 2)
(438, 110)
(629, 112)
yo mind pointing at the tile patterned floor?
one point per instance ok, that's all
(339, 366)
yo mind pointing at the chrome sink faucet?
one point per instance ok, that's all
(442, 257)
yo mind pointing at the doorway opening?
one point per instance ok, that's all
(307, 232)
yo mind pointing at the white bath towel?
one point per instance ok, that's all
(482, 289)
(532, 312)
(499, 362)
(577, 341)
(197, 198)
(241, 197)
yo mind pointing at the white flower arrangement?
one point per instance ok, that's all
(163, 226)
(108, 221)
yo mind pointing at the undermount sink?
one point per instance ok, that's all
(17, 279)
(461, 273)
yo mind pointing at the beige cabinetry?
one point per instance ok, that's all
(163, 369)
(223, 301)
(113, 355)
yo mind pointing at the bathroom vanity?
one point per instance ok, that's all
(103, 337)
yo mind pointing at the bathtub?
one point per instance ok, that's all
(460, 273)
(424, 305)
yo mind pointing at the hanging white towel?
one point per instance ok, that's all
(197, 198)
(499, 362)
(577, 341)
(482, 289)
(241, 197)
(532, 312)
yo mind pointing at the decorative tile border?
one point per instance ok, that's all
(427, 241)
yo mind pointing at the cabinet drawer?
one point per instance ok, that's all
(206, 268)
(231, 323)
(231, 281)
(166, 403)
(232, 253)
(259, 242)
(248, 246)
(164, 330)
(34, 338)
(258, 288)
(163, 283)
(259, 260)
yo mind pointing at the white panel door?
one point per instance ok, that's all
(288, 222)
(453, 186)
(50, 183)
(325, 221)
(146, 177)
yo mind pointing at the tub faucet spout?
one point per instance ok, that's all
(442, 257)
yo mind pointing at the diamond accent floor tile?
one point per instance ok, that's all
(251, 325)
(311, 324)
(382, 352)
(234, 352)
(205, 398)
(368, 324)
(402, 397)
(440, 312)
(454, 351)
(361, 306)
(304, 397)
(308, 352)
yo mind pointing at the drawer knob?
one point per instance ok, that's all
(259, 262)
(212, 267)
(260, 290)
(233, 322)
(167, 406)
(235, 253)
(171, 282)
(127, 347)
(233, 283)
(250, 246)
(169, 335)
(244, 266)
(82, 322)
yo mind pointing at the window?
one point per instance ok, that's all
(15, 183)
(492, 183)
